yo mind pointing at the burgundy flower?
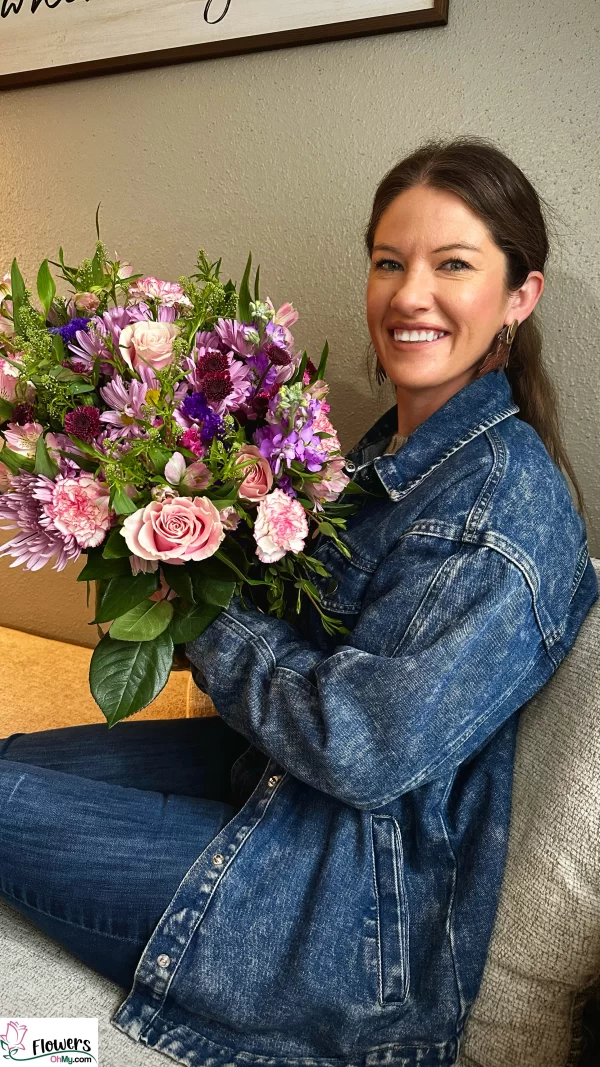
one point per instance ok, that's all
(84, 423)
(22, 414)
(213, 363)
(277, 355)
(217, 386)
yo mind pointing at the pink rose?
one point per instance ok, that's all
(178, 530)
(281, 526)
(259, 479)
(87, 302)
(79, 509)
(149, 342)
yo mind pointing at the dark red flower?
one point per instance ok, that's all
(84, 423)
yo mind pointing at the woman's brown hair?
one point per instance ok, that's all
(499, 193)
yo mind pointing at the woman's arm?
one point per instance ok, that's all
(434, 666)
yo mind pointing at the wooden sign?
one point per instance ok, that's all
(55, 40)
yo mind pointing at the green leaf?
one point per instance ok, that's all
(326, 528)
(212, 583)
(121, 503)
(116, 546)
(16, 462)
(323, 363)
(97, 567)
(178, 579)
(160, 457)
(43, 463)
(123, 594)
(81, 387)
(244, 294)
(144, 622)
(17, 292)
(256, 289)
(45, 287)
(192, 620)
(299, 375)
(126, 676)
(6, 410)
(97, 269)
(58, 346)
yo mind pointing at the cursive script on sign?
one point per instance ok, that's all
(14, 7)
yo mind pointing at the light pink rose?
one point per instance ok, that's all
(87, 302)
(259, 479)
(149, 342)
(125, 269)
(332, 482)
(186, 528)
(23, 439)
(79, 509)
(281, 526)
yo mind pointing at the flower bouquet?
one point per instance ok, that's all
(169, 432)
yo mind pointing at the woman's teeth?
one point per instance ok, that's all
(417, 335)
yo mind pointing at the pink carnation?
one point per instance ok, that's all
(176, 530)
(169, 293)
(321, 424)
(79, 509)
(281, 526)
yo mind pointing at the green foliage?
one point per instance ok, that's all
(126, 676)
(125, 593)
(98, 567)
(144, 622)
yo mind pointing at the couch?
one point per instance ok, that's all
(544, 955)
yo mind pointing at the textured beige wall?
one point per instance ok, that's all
(280, 153)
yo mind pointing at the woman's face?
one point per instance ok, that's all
(420, 279)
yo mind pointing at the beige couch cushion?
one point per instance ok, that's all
(545, 945)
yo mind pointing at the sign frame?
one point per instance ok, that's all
(334, 31)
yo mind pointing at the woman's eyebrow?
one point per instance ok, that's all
(443, 248)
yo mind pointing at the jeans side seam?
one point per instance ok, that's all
(58, 918)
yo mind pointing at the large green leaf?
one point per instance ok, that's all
(212, 582)
(15, 462)
(121, 503)
(97, 567)
(45, 286)
(178, 579)
(122, 594)
(190, 621)
(6, 410)
(116, 546)
(144, 622)
(126, 676)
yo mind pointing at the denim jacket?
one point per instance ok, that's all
(342, 917)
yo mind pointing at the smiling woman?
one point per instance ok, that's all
(466, 197)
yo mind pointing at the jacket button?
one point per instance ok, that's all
(273, 779)
(350, 466)
(218, 859)
(163, 960)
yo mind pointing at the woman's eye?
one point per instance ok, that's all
(380, 264)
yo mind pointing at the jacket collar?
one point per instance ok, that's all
(473, 409)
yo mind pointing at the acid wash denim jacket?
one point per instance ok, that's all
(342, 917)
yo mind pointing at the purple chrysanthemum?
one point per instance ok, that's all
(38, 539)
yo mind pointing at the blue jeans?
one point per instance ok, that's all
(98, 827)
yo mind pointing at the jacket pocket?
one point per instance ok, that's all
(392, 910)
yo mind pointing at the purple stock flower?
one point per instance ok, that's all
(38, 539)
(69, 332)
(196, 410)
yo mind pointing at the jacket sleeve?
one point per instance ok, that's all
(434, 666)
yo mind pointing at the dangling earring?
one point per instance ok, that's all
(498, 356)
